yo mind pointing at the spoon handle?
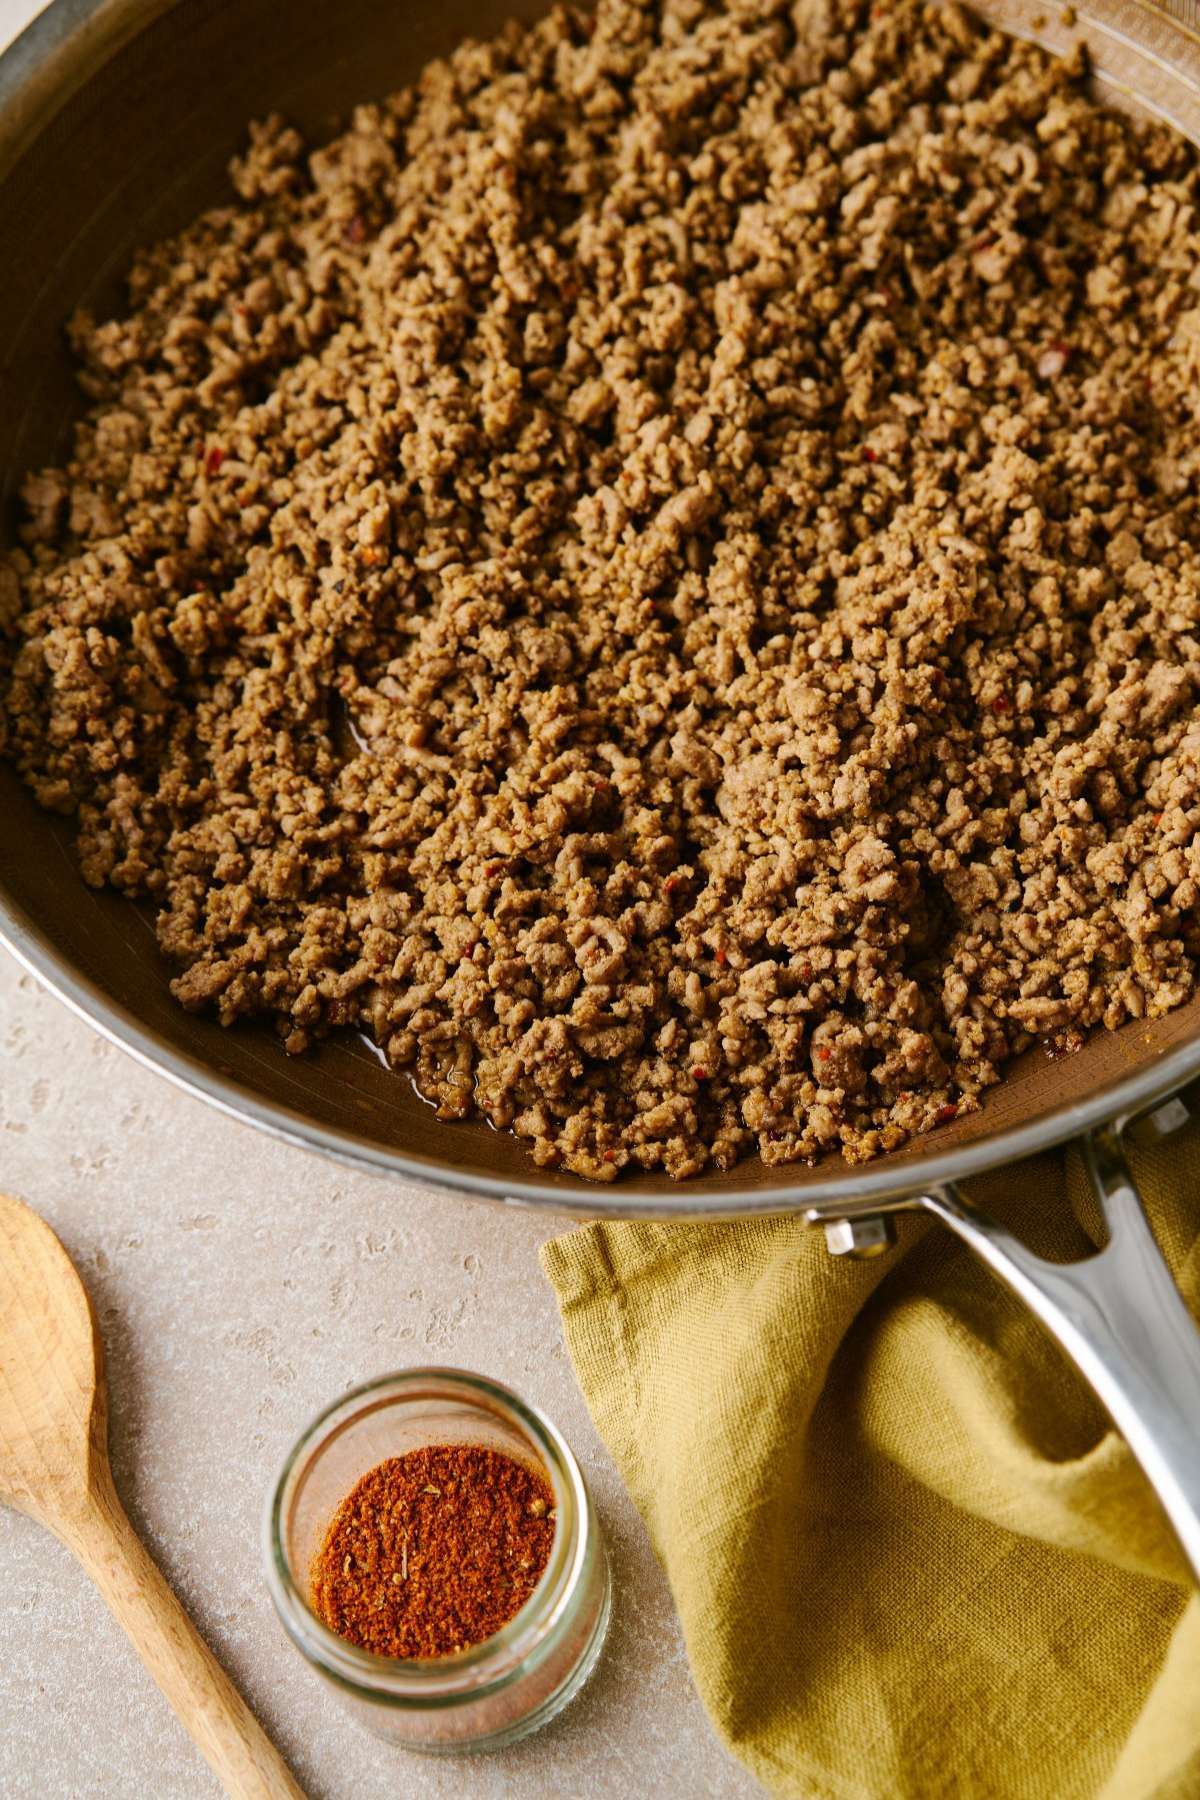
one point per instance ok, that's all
(206, 1702)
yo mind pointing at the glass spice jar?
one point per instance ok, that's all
(508, 1685)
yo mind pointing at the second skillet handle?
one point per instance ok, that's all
(1119, 1317)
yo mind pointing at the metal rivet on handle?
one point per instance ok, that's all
(859, 1238)
(1160, 1123)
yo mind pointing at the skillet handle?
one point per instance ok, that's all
(1119, 1317)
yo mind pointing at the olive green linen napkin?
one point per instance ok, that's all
(911, 1556)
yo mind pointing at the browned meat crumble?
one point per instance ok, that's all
(656, 576)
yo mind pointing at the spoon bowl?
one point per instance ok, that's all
(52, 1394)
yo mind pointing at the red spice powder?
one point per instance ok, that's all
(434, 1551)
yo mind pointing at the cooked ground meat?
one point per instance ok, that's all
(656, 576)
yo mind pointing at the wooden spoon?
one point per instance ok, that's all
(54, 1466)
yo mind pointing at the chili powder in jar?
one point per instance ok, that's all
(434, 1551)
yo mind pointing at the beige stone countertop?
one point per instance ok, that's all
(240, 1285)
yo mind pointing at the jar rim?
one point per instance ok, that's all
(519, 1645)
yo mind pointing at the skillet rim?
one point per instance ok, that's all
(1135, 1093)
(38, 72)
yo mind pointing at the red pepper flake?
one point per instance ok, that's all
(806, 972)
(610, 1156)
(824, 1055)
(722, 957)
(700, 1074)
(492, 868)
(870, 455)
(214, 459)
(672, 883)
(356, 230)
(1157, 819)
(1000, 704)
(945, 1113)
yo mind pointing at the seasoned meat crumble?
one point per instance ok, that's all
(656, 576)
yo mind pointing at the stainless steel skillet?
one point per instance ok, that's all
(116, 119)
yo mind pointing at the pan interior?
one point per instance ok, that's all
(119, 118)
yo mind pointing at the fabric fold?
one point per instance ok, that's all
(910, 1554)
